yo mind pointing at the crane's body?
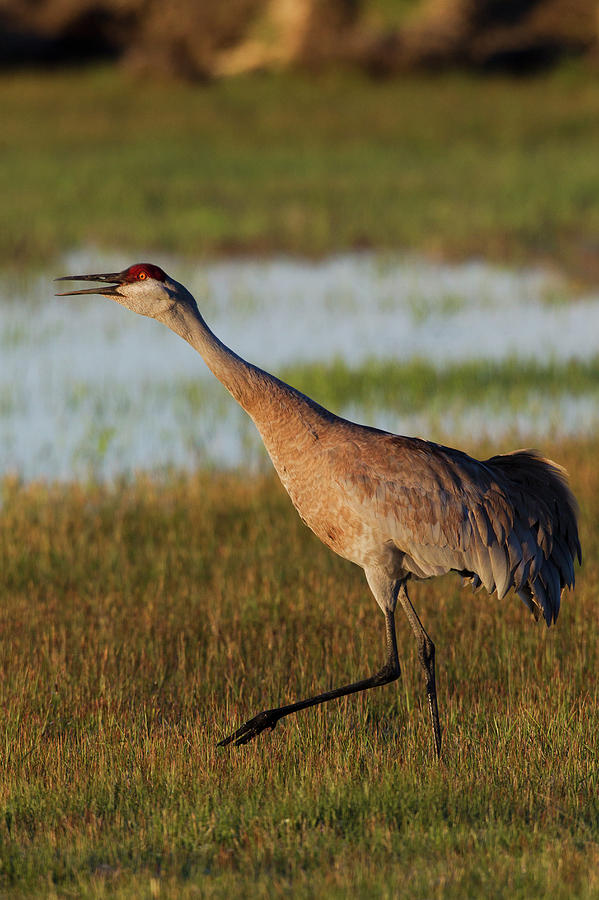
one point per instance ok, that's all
(413, 508)
(399, 507)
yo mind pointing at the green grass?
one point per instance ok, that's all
(418, 385)
(140, 623)
(451, 164)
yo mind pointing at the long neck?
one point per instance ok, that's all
(291, 425)
(237, 375)
(258, 392)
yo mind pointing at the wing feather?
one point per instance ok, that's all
(509, 521)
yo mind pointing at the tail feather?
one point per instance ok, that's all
(525, 595)
(546, 525)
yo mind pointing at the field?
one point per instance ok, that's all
(499, 167)
(140, 623)
(143, 618)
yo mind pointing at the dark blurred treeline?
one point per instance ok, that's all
(201, 39)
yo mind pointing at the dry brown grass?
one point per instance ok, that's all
(140, 622)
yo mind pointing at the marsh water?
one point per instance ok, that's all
(88, 389)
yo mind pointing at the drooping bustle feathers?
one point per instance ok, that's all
(543, 542)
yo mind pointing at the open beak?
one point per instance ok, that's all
(111, 290)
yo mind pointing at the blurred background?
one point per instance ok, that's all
(203, 40)
(392, 203)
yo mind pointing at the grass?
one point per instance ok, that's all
(419, 385)
(141, 622)
(447, 164)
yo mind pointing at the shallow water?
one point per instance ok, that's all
(87, 388)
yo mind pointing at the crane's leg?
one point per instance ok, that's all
(268, 718)
(426, 655)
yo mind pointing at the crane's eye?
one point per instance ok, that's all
(141, 276)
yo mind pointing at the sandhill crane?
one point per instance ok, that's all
(399, 507)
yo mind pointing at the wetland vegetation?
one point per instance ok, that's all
(142, 617)
(140, 622)
(494, 166)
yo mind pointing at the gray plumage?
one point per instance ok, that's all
(506, 522)
(399, 507)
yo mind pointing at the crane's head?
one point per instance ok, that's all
(144, 288)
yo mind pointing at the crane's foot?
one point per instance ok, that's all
(268, 718)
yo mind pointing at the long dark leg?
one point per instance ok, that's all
(268, 718)
(426, 655)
